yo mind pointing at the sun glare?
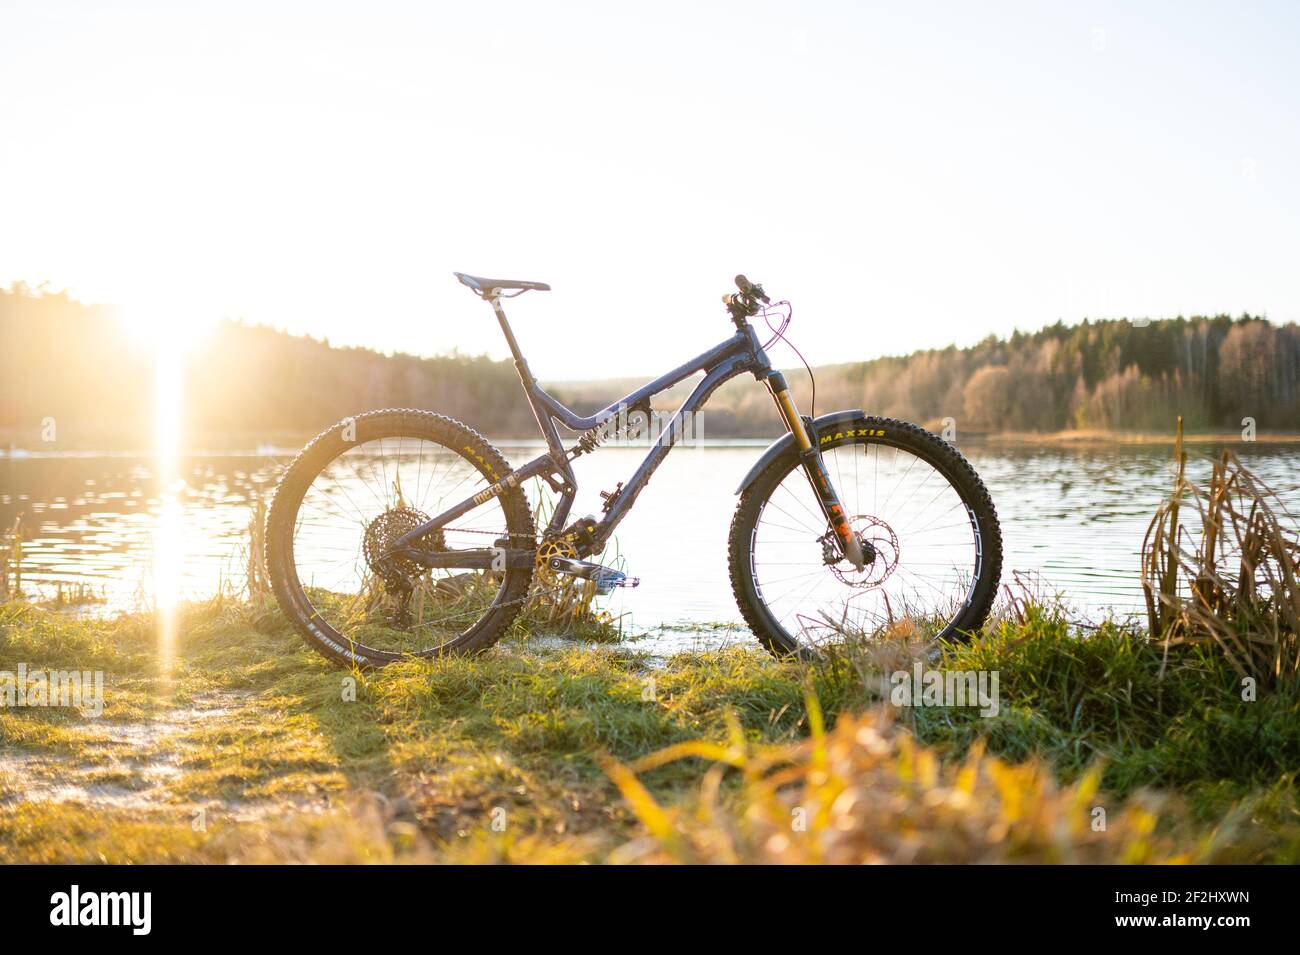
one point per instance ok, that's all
(169, 340)
(164, 330)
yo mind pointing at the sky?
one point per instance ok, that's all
(908, 175)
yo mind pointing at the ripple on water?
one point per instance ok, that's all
(1075, 515)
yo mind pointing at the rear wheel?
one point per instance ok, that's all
(355, 490)
(925, 522)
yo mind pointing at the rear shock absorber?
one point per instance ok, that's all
(589, 441)
(620, 421)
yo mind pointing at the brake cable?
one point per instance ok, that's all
(778, 334)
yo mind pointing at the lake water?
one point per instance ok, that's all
(1072, 516)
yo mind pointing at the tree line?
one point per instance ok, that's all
(75, 364)
(1112, 375)
(71, 364)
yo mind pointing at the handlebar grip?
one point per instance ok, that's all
(750, 289)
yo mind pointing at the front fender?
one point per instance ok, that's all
(785, 443)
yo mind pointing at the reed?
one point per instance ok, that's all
(11, 561)
(77, 593)
(1228, 578)
(258, 581)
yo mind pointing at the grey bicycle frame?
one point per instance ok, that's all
(737, 355)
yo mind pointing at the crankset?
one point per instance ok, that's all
(605, 578)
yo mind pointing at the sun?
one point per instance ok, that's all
(168, 331)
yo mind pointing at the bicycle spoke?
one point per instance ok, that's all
(354, 510)
(920, 560)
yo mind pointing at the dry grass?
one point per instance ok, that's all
(559, 603)
(1232, 581)
(868, 793)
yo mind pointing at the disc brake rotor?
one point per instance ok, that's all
(879, 546)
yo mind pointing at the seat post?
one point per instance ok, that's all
(510, 337)
(544, 422)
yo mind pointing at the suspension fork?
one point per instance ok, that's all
(815, 468)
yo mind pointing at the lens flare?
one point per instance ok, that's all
(168, 531)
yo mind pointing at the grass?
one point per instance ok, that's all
(438, 745)
(1154, 718)
(256, 749)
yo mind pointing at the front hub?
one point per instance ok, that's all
(880, 553)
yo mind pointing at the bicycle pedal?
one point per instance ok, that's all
(605, 578)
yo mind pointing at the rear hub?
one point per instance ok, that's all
(385, 531)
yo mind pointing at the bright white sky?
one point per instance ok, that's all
(908, 174)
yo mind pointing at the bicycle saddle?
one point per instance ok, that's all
(483, 286)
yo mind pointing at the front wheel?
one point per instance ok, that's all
(927, 527)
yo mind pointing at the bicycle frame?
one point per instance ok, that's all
(740, 354)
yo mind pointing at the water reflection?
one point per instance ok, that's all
(1074, 515)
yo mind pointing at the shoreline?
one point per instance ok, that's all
(280, 445)
(1086, 437)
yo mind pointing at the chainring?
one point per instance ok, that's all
(556, 547)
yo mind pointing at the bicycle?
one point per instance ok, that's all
(440, 556)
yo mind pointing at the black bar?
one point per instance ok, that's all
(938, 908)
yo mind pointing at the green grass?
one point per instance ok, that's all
(1113, 695)
(282, 756)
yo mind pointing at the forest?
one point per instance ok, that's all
(71, 364)
(1109, 375)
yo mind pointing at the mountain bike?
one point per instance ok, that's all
(403, 533)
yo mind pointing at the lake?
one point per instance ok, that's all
(1072, 517)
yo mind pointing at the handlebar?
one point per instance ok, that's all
(745, 304)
